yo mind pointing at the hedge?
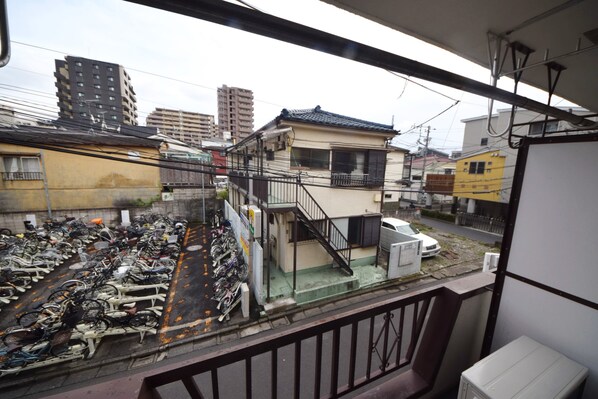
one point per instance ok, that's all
(438, 215)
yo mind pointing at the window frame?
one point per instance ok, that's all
(474, 167)
(21, 173)
(311, 162)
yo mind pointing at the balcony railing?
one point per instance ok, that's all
(22, 176)
(401, 338)
(330, 357)
(355, 180)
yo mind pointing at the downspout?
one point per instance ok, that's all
(46, 190)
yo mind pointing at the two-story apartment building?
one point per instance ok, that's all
(318, 177)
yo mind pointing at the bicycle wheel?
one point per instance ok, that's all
(93, 308)
(98, 325)
(30, 318)
(105, 291)
(144, 319)
(7, 291)
(14, 338)
(59, 296)
(73, 285)
(5, 232)
(20, 279)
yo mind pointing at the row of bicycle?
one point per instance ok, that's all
(229, 270)
(115, 290)
(30, 256)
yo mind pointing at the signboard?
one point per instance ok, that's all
(245, 234)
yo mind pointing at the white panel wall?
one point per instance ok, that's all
(555, 243)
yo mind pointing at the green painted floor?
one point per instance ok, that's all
(320, 283)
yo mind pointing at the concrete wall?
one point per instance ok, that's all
(82, 182)
(187, 203)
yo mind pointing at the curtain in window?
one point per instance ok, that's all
(30, 165)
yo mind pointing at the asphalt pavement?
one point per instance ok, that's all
(474, 234)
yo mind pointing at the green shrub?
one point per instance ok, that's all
(222, 194)
(438, 215)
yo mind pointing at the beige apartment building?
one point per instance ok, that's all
(235, 113)
(190, 127)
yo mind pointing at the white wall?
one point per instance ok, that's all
(555, 244)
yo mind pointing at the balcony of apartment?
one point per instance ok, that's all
(397, 345)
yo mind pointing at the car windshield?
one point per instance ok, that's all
(407, 229)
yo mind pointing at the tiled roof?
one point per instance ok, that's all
(318, 116)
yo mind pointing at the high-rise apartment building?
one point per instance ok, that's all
(190, 127)
(235, 112)
(91, 91)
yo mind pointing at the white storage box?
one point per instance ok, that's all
(522, 369)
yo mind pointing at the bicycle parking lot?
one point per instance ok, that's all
(184, 307)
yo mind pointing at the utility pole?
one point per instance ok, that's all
(427, 141)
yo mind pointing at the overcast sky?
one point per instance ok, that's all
(178, 62)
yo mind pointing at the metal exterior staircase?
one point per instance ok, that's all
(323, 229)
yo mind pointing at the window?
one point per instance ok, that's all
(81, 94)
(484, 141)
(537, 128)
(21, 168)
(364, 230)
(303, 233)
(310, 158)
(110, 69)
(99, 106)
(113, 117)
(80, 84)
(96, 76)
(416, 177)
(111, 88)
(387, 196)
(358, 168)
(83, 114)
(449, 171)
(80, 74)
(78, 63)
(96, 66)
(110, 78)
(113, 108)
(97, 86)
(98, 96)
(477, 168)
(112, 98)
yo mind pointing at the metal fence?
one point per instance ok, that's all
(492, 225)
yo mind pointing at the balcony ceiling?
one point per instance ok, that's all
(461, 26)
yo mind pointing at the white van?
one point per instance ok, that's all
(388, 235)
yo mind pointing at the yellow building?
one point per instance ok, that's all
(56, 172)
(480, 176)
